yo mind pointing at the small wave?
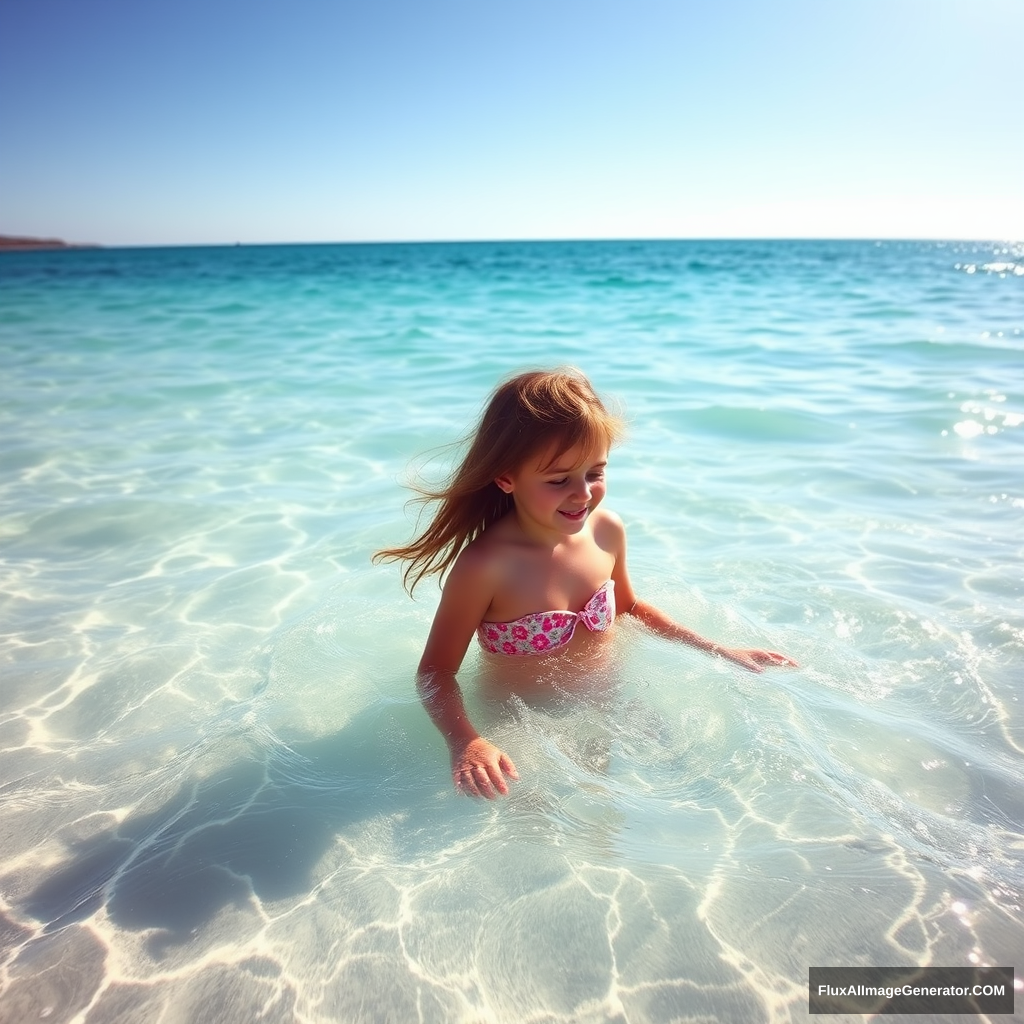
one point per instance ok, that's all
(760, 425)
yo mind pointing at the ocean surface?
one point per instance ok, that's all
(220, 797)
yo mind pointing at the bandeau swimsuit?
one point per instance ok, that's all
(543, 632)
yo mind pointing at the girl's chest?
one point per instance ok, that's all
(565, 581)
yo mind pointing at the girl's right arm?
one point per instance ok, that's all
(478, 767)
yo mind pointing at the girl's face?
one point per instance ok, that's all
(557, 494)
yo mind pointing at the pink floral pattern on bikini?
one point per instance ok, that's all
(542, 632)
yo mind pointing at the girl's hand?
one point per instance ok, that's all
(479, 769)
(754, 659)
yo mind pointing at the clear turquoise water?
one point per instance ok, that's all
(221, 799)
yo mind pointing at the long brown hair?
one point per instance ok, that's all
(525, 414)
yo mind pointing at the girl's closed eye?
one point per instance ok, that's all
(592, 478)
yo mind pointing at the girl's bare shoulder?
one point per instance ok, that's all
(609, 530)
(484, 557)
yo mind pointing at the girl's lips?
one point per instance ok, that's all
(573, 515)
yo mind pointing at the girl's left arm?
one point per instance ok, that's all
(656, 620)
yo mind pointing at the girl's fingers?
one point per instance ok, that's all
(506, 765)
(486, 780)
(476, 781)
(497, 781)
(772, 658)
(781, 659)
(464, 784)
(754, 659)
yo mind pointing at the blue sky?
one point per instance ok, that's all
(149, 122)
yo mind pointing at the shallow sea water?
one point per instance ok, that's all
(221, 800)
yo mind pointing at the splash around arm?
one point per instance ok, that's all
(654, 619)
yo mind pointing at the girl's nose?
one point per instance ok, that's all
(582, 491)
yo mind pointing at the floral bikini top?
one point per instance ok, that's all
(543, 632)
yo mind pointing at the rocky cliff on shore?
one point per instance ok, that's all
(24, 242)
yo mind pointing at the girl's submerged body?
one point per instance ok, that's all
(536, 569)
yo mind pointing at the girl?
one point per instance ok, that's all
(518, 528)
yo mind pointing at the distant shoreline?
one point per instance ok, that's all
(21, 243)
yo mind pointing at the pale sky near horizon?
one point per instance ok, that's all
(216, 121)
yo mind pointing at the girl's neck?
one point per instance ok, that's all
(545, 538)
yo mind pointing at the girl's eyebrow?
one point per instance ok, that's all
(562, 472)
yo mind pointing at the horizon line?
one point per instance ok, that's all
(29, 243)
